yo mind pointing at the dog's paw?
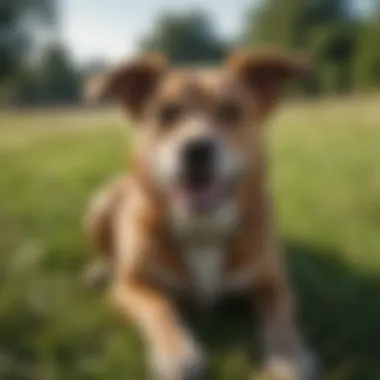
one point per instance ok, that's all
(189, 365)
(302, 366)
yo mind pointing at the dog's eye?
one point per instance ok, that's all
(229, 113)
(169, 113)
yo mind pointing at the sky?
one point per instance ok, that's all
(111, 29)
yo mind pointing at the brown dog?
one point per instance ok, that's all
(193, 218)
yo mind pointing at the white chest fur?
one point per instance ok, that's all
(202, 240)
(203, 243)
(206, 266)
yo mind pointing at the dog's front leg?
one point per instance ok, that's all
(173, 353)
(285, 355)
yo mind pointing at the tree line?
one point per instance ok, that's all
(344, 46)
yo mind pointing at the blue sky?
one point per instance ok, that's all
(110, 29)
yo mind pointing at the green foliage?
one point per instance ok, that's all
(18, 19)
(186, 38)
(54, 80)
(58, 79)
(333, 48)
(341, 44)
(22, 79)
(326, 184)
(367, 59)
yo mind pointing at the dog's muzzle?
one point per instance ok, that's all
(198, 163)
(201, 186)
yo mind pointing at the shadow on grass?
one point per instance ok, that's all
(75, 337)
(339, 316)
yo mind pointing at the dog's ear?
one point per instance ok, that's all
(265, 72)
(131, 83)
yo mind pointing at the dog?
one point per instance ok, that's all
(193, 218)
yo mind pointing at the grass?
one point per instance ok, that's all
(326, 181)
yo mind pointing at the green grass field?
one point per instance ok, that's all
(326, 179)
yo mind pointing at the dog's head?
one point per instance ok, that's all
(198, 131)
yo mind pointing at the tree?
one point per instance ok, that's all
(274, 22)
(367, 59)
(186, 38)
(324, 28)
(18, 18)
(54, 80)
(59, 82)
(287, 22)
(333, 47)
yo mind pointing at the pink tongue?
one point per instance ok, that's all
(205, 195)
(204, 198)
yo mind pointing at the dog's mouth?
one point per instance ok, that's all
(206, 196)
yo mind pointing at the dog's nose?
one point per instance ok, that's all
(198, 160)
(199, 152)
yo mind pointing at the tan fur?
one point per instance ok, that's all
(154, 264)
(100, 214)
